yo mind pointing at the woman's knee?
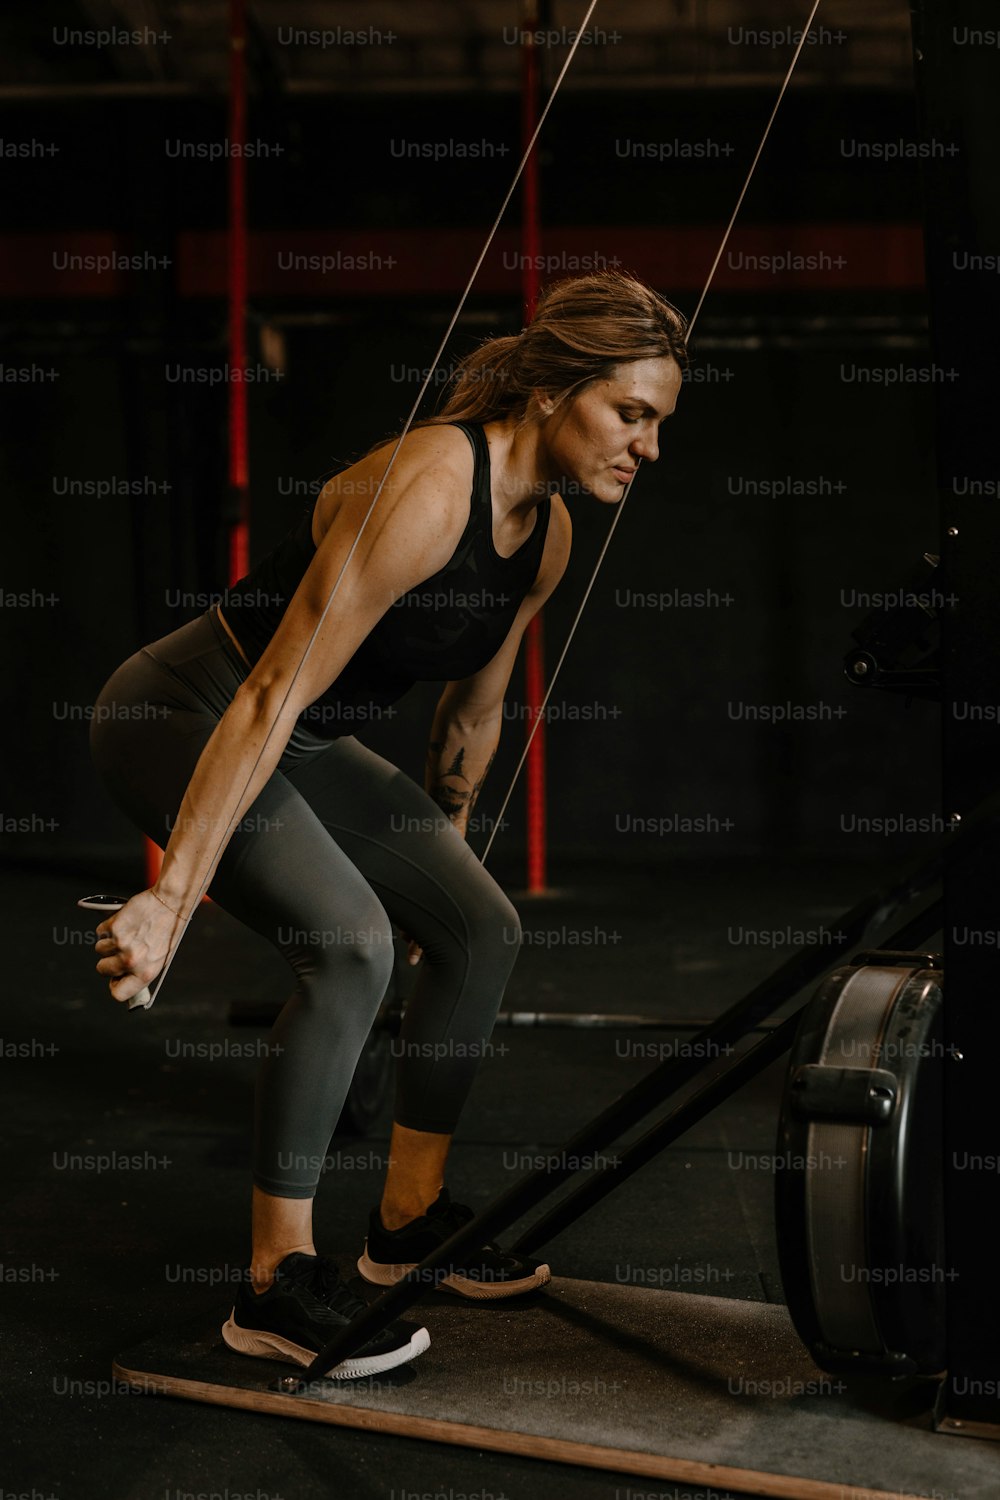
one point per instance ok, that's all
(351, 955)
(494, 927)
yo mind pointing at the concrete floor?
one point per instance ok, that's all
(97, 1257)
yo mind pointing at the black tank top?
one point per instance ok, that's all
(444, 629)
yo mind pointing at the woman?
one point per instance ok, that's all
(332, 844)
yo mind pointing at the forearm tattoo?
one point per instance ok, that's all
(451, 789)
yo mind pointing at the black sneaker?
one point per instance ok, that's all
(301, 1312)
(483, 1273)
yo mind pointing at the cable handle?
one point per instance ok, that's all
(143, 1000)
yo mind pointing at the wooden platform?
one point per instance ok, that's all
(665, 1385)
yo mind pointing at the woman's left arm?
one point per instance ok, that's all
(459, 755)
(469, 715)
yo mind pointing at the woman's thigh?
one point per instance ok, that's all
(427, 877)
(282, 871)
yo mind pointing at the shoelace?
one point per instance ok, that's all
(454, 1215)
(324, 1281)
(329, 1287)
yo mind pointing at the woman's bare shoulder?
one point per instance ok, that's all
(440, 443)
(433, 469)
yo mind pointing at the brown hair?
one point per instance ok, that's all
(583, 327)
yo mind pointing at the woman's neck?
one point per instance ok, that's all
(520, 477)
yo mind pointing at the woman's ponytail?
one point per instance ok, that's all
(582, 329)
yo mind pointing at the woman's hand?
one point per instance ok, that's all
(134, 943)
(414, 952)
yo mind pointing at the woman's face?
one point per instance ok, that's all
(596, 439)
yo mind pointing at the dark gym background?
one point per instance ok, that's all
(768, 403)
(790, 489)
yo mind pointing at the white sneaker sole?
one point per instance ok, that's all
(272, 1346)
(466, 1286)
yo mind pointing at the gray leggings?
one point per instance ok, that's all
(339, 845)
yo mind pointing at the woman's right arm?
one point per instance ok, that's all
(412, 533)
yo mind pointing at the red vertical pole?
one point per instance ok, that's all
(534, 656)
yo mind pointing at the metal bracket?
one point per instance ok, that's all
(890, 958)
(863, 1096)
(960, 1426)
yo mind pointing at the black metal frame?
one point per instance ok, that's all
(958, 90)
(859, 927)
